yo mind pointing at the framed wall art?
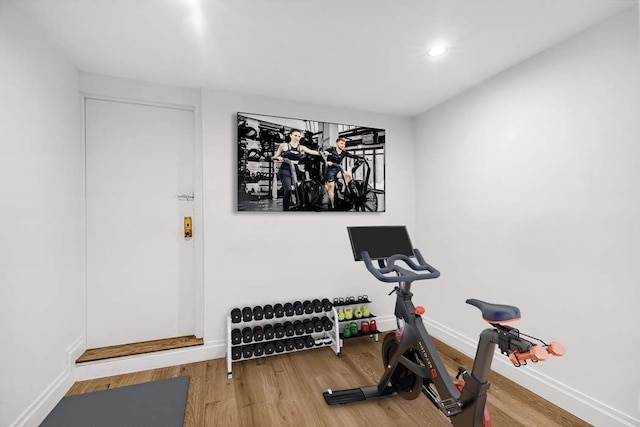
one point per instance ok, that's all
(292, 165)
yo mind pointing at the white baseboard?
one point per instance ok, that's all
(144, 362)
(585, 407)
(49, 398)
(386, 323)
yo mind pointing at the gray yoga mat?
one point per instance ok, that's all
(154, 404)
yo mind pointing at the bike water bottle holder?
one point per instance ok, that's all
(506, 337)
(512, 345)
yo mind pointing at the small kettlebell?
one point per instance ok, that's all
(348, 313)
(364, 327)
(346, 332)
(354, 328)
(365, 311)
(358, 312)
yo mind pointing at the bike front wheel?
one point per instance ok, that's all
(404, 382)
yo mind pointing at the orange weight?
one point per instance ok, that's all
(535, 353)
(556, 348)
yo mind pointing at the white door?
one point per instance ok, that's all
(140, 266)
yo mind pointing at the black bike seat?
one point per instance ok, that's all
(496, 313)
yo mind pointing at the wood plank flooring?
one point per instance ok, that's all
(102, 353)
(287, 390)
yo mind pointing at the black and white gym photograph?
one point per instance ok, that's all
(352, 213)
(289, 164)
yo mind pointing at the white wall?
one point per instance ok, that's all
(253, 258)
(528, 194)
(42, 217)
(257, 258)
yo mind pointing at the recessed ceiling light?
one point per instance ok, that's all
(437, 50)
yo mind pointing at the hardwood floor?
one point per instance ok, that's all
(102, 353)
(287, 390)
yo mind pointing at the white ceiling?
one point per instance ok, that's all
(362, 54)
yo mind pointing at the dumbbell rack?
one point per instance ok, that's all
(373, 334)
(333, 334)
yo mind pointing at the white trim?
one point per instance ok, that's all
(386, 323)
(145, 362)
(198, 210)
(98, 97)
(562, 395)
(83, 105)
(49, 398)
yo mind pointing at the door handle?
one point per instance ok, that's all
(187, 228)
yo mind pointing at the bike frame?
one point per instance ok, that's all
(464, 407)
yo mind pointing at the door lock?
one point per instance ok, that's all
(187, 228)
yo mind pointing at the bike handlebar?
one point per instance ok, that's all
(403, 275)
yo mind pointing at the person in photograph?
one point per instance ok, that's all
(293, 151)
(335, 155)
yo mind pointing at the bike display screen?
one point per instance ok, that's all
(380, 241)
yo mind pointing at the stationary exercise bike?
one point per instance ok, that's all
(357, 195)
(412, 364)
(310, 194)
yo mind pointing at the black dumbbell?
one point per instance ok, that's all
(326, 304)
(308, 326)
(247, 335)
(299, 343)
(299, 326)
(318, 326)
(269, 332)
(247, 314)
(258, 334)
(278, 310)
(269, 348)
(290, 344)
(236, 336)
(317, 306)
(288, 309)
(278, 330)
(309, 341)
(267, 311)
(247, 351)
(258, 350)
(279, 346)
(327, 323)
(298, 308)
(308, 307)
(236, 315)
(257, 313)
(289, 329)
(236, 352)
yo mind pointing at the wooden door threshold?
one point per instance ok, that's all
(93, 354)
